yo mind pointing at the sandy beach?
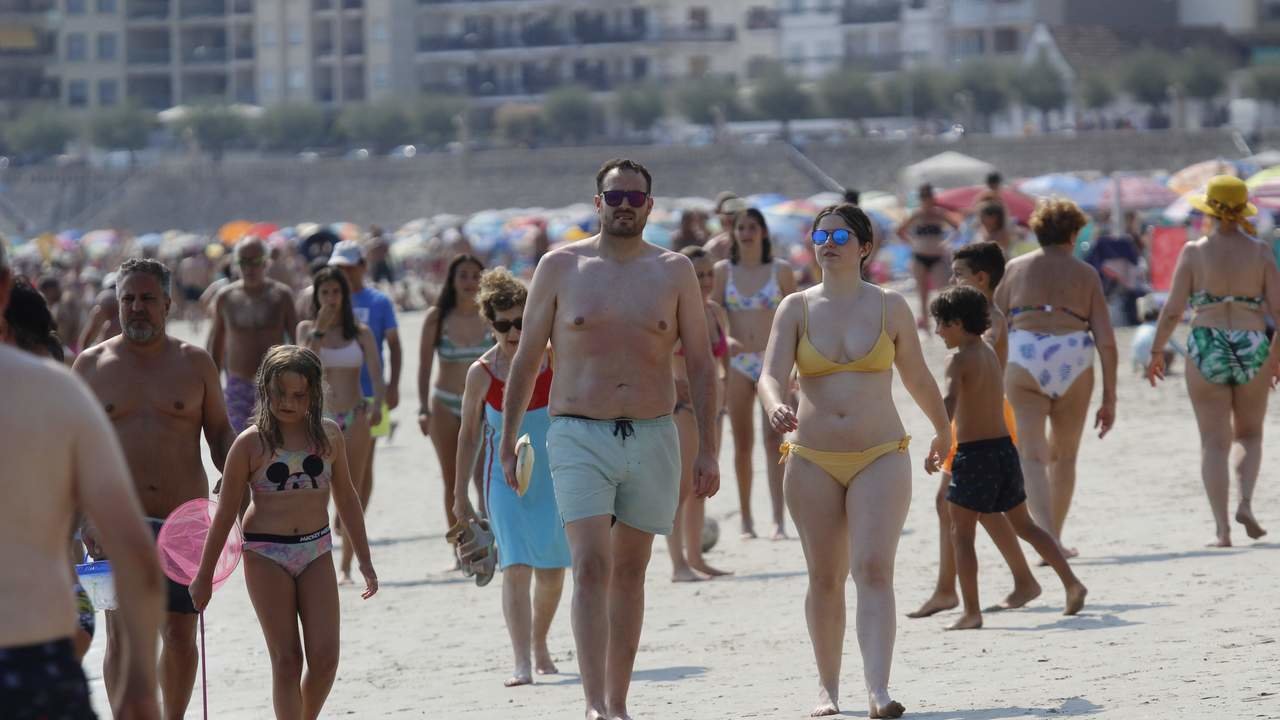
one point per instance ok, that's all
(1171, 627)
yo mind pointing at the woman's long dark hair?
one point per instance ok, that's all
(857, 221)
(448, 299)
(333, 274)
(766, 246)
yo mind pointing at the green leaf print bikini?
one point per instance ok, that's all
(1224, 356)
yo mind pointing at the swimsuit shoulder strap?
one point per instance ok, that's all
(884, 309)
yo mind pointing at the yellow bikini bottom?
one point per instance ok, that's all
(843, 467)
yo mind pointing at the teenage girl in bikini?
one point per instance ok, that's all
(750, 285)
(848, 477)
(926, 231)
(1232, 284)
(344, 345)
(290, 459)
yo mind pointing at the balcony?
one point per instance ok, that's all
(856, 13)
(242, 7)
(887, 62)
(323, 49)
(352, 48)
(494, 41)
(203, 9)
(149, 56)
(321, 5)
(598, 37)
(352, 4)
(205, 55)
(690, 33)
(148, 11)
(244, 51)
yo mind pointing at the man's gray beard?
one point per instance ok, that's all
(135, 332)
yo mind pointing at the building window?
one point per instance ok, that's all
(297, 79)
(699, 66)
(639, 68)
(295, 34)
(76, 47)
(379, 31)
(108, 92)
(699, 18)
(106, 46)
(268, 82)
(75, 7)
(78, 93)
(106, 7)
(381, 78)
(268, 36)
(1006, 40)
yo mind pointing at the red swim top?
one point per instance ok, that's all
(541, 390)
(721, 347)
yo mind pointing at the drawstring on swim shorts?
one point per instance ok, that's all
(623, 427)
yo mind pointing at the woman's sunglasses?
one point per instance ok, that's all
(504, 326)
(839, 237)
(634, 198)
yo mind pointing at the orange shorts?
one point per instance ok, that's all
(1009, 422)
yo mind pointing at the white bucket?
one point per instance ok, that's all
(98, 582)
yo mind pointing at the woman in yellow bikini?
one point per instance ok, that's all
(848, 477)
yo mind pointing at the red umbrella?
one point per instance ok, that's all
(1018, 205)
(1136, 193)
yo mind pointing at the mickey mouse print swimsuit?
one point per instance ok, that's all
(292, 470)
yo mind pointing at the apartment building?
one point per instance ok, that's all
(28, 41)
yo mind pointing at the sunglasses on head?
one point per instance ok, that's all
(504, 326)
(634, 198)
(252, 262)
(839, 237)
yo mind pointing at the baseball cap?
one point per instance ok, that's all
(347, 253)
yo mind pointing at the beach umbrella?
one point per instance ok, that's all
(1197, 176)
(232, 232)
(1135, 192)
(1062, 184)
(263, 229)
(823, 199)
(1018, 205)
(1271, 174)
(946, 170)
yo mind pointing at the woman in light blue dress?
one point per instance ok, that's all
(530, 537)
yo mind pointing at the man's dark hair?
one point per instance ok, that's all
(852, 196)
(925, 191)
(964, 304)
(984, 257)
(147, 266)
(623, 164)
(994, 180)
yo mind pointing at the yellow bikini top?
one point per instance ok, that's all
(811, 363)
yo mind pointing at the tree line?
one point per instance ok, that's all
(975, 91)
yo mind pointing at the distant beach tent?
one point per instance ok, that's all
(946, 170)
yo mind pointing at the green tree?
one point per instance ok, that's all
(849, 95)
(41, 131)
(292, 126)
(1202, 74)
(987, 86)
(382, 125)
(214, 128)
(701, 99)
(1040, 86)
(776, 96)
(1096, 91)
(1146, 77)
(642, 106)
(435, 118)
(520, 124)
(915, 93)
(123, 127)
(571, 114)
(1264, 83)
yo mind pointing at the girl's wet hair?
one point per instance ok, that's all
(448, 299)
(330, 273)
(766, 246)
(499, 291)
(855, 218)
(278, 361)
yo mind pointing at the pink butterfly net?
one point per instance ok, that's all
(181, 543)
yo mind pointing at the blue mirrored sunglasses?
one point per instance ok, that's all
(839, 237)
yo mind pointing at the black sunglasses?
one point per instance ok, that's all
(634, 198)
(504, 326)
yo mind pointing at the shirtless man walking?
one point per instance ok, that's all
(613, 307)
(50, 478)
(104, 318)
(250, 316)
(159, 393)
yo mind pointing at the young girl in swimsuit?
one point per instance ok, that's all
(344, 345)
(848, 477)
(684, 544)
(533, 550)
(454, 330)
(1057, 316)
(926, 231)
(1232, 283)
(290, 460)
(750, 285)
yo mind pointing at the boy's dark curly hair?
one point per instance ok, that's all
(963, 304)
